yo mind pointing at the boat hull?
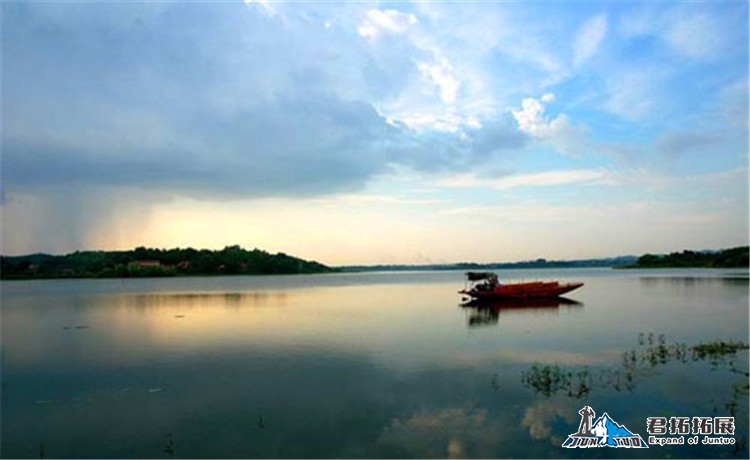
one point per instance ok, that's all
(534, 290)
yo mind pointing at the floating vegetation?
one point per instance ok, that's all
(578, 381)
(495, 382)
(718, 352)
(170, 446)
(549, 380)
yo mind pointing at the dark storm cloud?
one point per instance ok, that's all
(285, 147)
(205, 100)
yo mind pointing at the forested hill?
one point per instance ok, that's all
(726, 258)
(143, 262)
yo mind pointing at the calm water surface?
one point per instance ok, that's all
(362, 365)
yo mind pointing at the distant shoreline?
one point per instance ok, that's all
(235, 261)
(469, 266)
(144, 262)
(726, 258)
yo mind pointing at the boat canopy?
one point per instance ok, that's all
(479, 276)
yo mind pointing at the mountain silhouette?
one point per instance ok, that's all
(607, 428)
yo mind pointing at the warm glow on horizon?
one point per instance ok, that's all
(339, 232)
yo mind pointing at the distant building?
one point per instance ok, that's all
(146, 263)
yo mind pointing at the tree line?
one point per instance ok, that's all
(148, 262)
(726, 258)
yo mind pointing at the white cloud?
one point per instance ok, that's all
(538, 179)
(633, 95)
(378, 22)
(589, 38)
(441, 74)
(360, 199)
(530, 118)
(695, 35)
(264, 4)
(533, 46)
(426, 67)
(655, 180)
(422, 120)
(559, 132)
(693, 30)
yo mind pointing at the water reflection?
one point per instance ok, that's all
(540, 417)
(202, 299)
(734, 279)
(347, 366)
(483, 312)
(457, 432)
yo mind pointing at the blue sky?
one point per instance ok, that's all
(376, 132)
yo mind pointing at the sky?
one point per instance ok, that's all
(376, 132)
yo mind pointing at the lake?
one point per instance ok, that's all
(361, 365)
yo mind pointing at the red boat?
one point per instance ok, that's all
(484, 285)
